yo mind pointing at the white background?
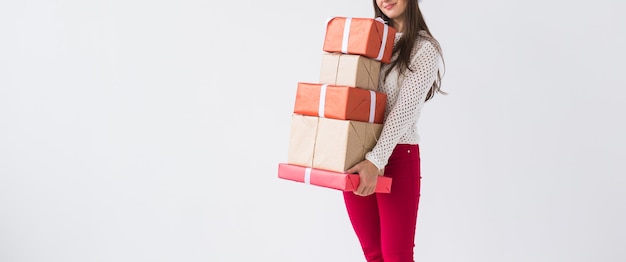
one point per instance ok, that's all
(151, 131)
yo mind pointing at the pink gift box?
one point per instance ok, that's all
(328, 179)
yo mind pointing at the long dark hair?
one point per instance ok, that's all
(414, 26)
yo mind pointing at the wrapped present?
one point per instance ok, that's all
(330, 144)
(340, 102)
(329, 179)
(349, 70)
(370, 37)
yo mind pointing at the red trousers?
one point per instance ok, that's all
(385, 223)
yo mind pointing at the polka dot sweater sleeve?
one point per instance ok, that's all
(405, 97)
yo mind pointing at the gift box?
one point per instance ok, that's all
(330, 144)
(329, 179)
(340, 102)
(349, 70)
(368, 37)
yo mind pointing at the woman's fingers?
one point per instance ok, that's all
(366, 185)
(367, 177)
(355, 169)
(366, 191)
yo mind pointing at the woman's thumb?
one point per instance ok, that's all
(353, 169)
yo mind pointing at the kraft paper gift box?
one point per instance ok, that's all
(340, 102)
(369, 37)
(349, 70)
(330, 144)
(329, 179)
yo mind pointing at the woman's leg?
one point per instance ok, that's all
(398, 209)
(363, 214)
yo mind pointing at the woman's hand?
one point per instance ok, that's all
(368, 176)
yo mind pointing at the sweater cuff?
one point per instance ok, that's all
(374, 161)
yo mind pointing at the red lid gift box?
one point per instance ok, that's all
(369, 37)
(340, 102)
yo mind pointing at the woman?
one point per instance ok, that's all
(385, 223)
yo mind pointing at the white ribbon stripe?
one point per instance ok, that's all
(372, 106)
(346, 35)
(307, 175)
(322, 104)
(381, 52)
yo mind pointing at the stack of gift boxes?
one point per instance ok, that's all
(337, 121)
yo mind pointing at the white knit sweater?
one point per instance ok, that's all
(405, 97)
